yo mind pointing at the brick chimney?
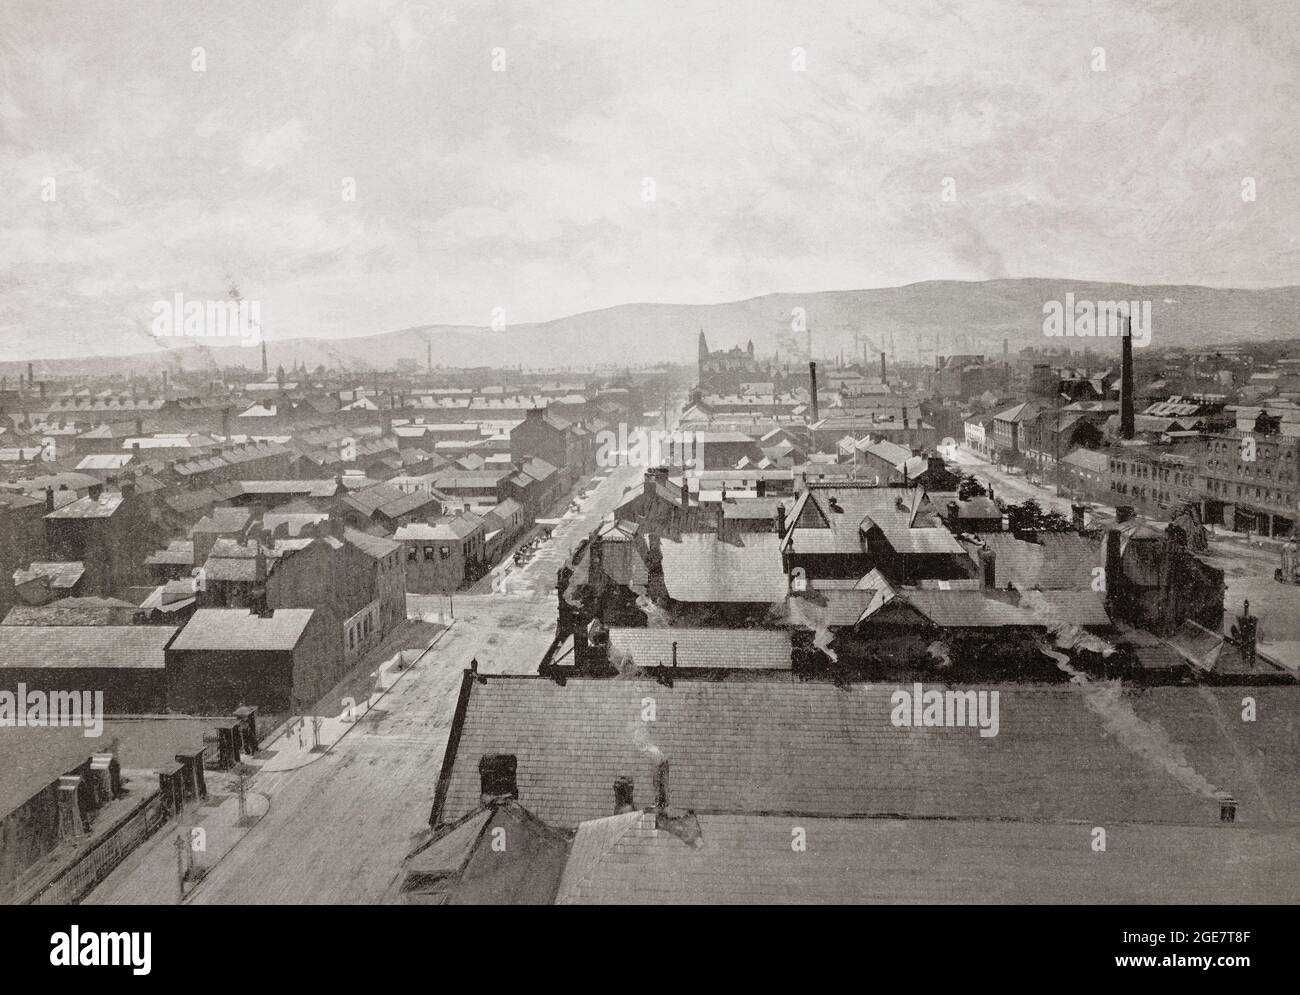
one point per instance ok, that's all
(654, 475)
(812, 391)
(49, 499)
(72, 821)
(497, 774)
(623, 795)
(661, 785)
(1126, 381)
(1076, 514)
(780, 519)
(882, 368)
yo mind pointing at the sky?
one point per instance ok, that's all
(526, 161)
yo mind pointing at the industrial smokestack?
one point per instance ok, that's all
(31, 376)
(812, 378)
(882, 368)
(1126, 381)
(264, 368)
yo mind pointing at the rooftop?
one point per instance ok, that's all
(1095, 753)
(240, 629)
(83, 646)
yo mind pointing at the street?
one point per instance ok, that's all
(336, 829)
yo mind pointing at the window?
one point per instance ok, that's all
(412, 553)
(428, 552)
(444, 552)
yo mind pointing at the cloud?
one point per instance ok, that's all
(523, 189)
(275, 148)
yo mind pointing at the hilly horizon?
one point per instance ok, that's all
(911, 323)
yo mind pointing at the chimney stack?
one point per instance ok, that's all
(882, 368)
(1126, 381)
(812, 378)
(31, 375)
(264, 369)
(780, 519)
(1076, 512)
(661, 785)
(623, 795)
(497, 777)
(49, 499)
(988, 568)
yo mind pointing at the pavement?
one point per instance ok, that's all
(148, 875)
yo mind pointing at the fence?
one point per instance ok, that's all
(75, 882)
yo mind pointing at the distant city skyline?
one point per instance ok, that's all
(660, 152)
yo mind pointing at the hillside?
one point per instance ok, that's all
(910, 322)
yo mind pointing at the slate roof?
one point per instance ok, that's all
(83, 646)
(747, 859)
(240, 629)
(455, 527)
(459, 865)
(700, 567)
(894, 510)
(1098, 754)
(374, 546)
(1056, 561)
(1090, 460)
(61, 574)
(538, 468)
(730, 649)
(87, 507)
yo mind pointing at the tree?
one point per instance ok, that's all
(1030, 517)
(970, 488)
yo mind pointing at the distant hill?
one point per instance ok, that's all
(910, 322)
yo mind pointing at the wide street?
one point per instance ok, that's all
(336, 829)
